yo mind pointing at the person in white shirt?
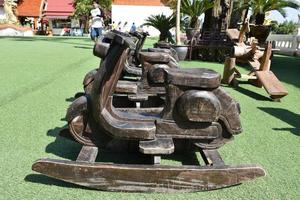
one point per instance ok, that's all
(97, 25)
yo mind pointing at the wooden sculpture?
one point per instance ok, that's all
(259, 60)
(197, 111)
(137, 64)
(212, 44)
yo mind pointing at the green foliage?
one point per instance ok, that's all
(171, 3)
(260, 7)
(284, 28)
(83, 7)
(106, 4)
(162, 23)
(194, 8)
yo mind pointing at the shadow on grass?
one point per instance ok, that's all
(287, 69)
(83, 47)
(251, 94)
(247, 92)
(62, 146)
(70, 99)
(76, 96)
(286, 116)
(120, 152)
(187, 158)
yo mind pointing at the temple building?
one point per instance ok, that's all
(32, 10)
(51, 14)
(57, 13)
(2, 13)
(136, 11)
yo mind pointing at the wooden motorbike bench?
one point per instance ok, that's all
(197, 111)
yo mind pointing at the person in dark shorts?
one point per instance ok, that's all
(97, 21)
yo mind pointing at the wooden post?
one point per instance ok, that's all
(35, 24)
(42, 25)
(178, 22)
(265, 62)
(228, 74)
(245, 29)
(50, 27)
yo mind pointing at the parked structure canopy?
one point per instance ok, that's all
(30, 8)
(58, 9)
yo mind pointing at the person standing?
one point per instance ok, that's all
(133, 28)
(97, 25)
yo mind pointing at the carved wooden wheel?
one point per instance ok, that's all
(212, 144)
(215, 143)
(81, 131)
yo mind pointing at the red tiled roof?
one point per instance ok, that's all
(29, 8)
(59, 9)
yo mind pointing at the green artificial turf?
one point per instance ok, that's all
(40, 75)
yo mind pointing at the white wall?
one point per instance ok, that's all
(13, 32)
(287, 44)
(138, 14)
(2, 13)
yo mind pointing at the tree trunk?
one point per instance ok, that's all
(86, 24)
(163, 36)
(217, 19)
(194, 22)
(260, 18)
(178, 42)
(237, 16)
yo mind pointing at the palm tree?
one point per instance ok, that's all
(175, 6)
(178, 19)
(259, 8)
(195, 8)
(163, 24)
(239, 12)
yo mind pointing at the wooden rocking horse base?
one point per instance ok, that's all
(147, 178)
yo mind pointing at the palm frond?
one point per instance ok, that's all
(161, 22)
(195, 8)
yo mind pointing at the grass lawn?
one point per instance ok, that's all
(38, 77)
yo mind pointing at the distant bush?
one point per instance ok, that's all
(283, 28)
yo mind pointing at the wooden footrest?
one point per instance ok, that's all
(138, 97)
(128, 87)
(157, 146)
(271, 84)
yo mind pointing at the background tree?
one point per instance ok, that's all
(83, 8)
(163, 24)
(170, 3)
(217, 19)
(259, 8)
(175, 5)
(283, 28)
(239, 13)
(194, 8)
